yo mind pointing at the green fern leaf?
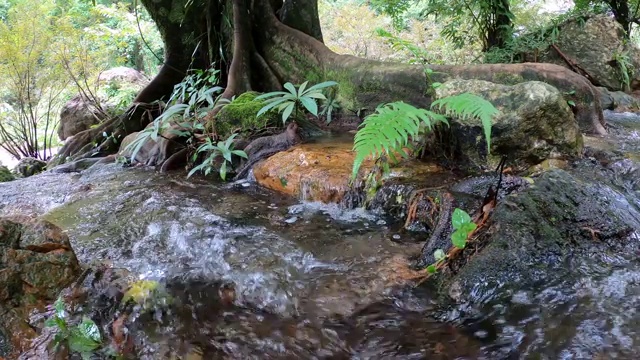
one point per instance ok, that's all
(388, 130)
(465, 106)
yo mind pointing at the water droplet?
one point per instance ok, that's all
(396, 237)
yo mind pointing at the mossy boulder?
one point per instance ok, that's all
(5, 174)
(29, 166)
(241, 114)
(565, 222)
(37, 262)
(535, 124)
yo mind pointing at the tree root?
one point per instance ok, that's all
(83, 144)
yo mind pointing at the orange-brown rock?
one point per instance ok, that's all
(320, 171)
(36, 263)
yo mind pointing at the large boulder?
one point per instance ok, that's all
(548, 233)
(535, 123)
(596, 46)
(116, 88)
(36, 263)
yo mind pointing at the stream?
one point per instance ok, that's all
(313, 281)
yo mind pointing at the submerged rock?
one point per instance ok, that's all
(535, 124)
(36, 263)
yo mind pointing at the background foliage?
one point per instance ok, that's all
(52, 49)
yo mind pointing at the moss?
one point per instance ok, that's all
(241, 113)
(507, 78)
(5, 174)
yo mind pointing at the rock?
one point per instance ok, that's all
(606, 100)
(624, 102)
(618, 100)
(29, 166)
(594, 45)
(122, 74)
(6, 174)
(548, 232)
(535, 123)
(117, 88)
(79, 114)
(321, 171)
(36, 263)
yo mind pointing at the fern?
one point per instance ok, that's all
(388, 130)
(465, 106)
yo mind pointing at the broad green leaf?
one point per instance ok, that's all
(310, 105)
(223, 171)
(287, 112)
(269, 106)
(459, 239)
(240, 153)
(89, 329)
(459, 218)
(292, 89)
(322, 85)
(468, 227)
(302, 87)
(431, 269)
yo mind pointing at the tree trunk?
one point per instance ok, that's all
(266, 53)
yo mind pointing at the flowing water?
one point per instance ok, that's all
(260, 276)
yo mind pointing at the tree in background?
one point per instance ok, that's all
(491, 20)
(32, 81)
(51, 49)
(626, 12)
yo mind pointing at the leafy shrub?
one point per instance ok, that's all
(286, 102)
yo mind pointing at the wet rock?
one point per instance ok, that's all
(321, 171)
(36, 263)
(606, 99)
(29, 166)
(547, 233)
(535, 123)
(625, 102)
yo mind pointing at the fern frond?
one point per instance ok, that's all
(465, 106)
(389, 129)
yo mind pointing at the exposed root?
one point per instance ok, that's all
(82, 145)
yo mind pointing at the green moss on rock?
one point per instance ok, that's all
(241, 113)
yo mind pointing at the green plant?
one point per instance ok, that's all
(625, 68)
(388, 130)
(463, 227)
(222, 148)
(190, 102)
(392, 126)
(328, 107)
(83, 338)
(294, 99)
